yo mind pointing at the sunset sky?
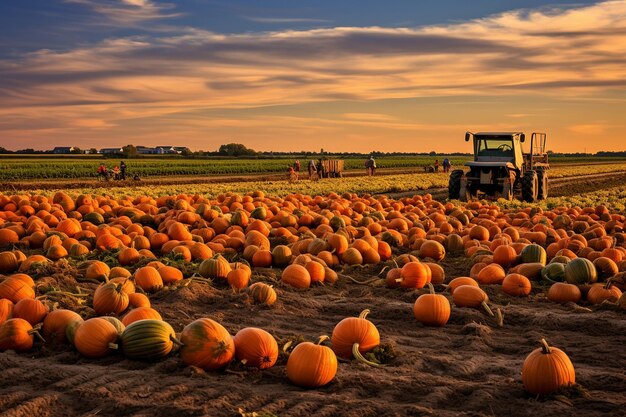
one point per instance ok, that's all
(343, 75)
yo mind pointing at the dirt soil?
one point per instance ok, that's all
(470, 367)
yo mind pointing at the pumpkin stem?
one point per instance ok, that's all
(321, 339)
(545, 348)
(608, 284)
(395, 263)
(431, 289)
(383, 270)
(500, 317)
(357, 355)
(364, 313)
(176, 341)
(287, 345)
(35, 331)
(486, 308)
(113, 346)
(356, 281)
(244, 361)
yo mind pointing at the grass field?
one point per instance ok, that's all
(19, 167)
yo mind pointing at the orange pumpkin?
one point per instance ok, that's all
(206, 344)
(136, 300)
(471, 296)
(354, 336)
(140, 313)
(311, 365)
(516, 285)
(148, 279)
(296, 276)
(547, 369)
(415, 275)
(55, 325)
(31, 310)
(96, 338)
(432, 309)
(262, 293)
(110, 298)
(256, 348)
(16, 334)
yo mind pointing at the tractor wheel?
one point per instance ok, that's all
(542, 190)
(530, 186)
(454, 184)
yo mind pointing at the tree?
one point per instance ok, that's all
(93, 150)
(76, 150)
(235, 149)
(129, 150)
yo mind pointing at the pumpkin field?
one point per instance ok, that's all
(314, 298)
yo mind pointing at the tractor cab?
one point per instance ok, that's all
(501, 169)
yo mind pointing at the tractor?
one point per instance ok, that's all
(501, 169)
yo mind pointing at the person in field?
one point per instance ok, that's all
(292, 175)
(123, 171)
(436, 165)
(370, 166)
(312, 169)
(296, 165)
(102, 171)
(446, 165)
(116, 173)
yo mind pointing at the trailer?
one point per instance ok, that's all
(330, 168)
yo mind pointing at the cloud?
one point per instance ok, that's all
(589, 129)
(129, 12)
(162, 80)
(280, 20)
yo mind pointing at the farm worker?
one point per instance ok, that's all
(436, 165)
(370, 166)
(446, 165)
(320, 168)
(102, 170)
(116, 172)
(296, 165)
(312, 168)
(123, 170)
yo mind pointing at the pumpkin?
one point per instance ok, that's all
(393, 277)
(119, 326)
(16, 289)
(238, 278)
(432, 249)
(206, 344)
(533, 253)
(262, 293)
(109, 298)
(215, 268)
(598, 293)
(605, 267)
(553, 272)
(491, 274)
(296, 276)
(432, 309)
(95, 338)
(256, 348)
(437, 273)
(6, 309)
(516, 285)
(504, 255)
(8, 262)
(262, 258)
(281, 256)
(136, 300)
(471, 296)
(17, 334)
(547, 369)
(354, 336)
(140, 313)
(148, 279)
(415, 275)
(316, 271)
(561, 292)
(169, 274)
(55, 325)
(580, 271)
(311, 365)
(31, 310)
(458, 281)
(148, 339)
(98, 270)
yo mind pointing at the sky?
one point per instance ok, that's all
(292, 75)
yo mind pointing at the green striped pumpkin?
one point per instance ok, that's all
(533, 253)
(553, 272)
(216, 267)
(148, 339)
(560, 260)
(580, 271)
(259, 213)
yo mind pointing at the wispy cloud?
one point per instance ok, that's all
(129, 12)
(162, 80)
(279, 20)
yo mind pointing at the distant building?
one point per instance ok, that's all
(145, 150)
(172, 149)
(111, 151)
(63, 149)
